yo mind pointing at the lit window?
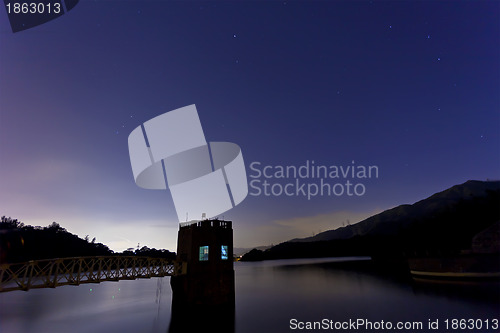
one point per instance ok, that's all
(223, 252)
(203, 253)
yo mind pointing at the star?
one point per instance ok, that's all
(439, 59)
(234, 36)
(428, 36)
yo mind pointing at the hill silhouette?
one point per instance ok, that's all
(444, 223)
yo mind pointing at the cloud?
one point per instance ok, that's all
(47, 172)
(42, 184)
(120, 234)
(278, 231)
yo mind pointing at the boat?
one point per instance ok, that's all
(481, 261)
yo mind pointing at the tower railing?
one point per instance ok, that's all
(206, 223)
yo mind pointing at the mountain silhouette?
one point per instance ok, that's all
(445, 222)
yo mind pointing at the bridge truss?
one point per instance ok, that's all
(53, 273)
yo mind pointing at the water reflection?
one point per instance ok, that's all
(267, 296)
(202, 318)
(123, 306)
(314, 290)
(203, 303)
(366, 272)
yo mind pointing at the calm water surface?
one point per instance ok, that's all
(268, 295)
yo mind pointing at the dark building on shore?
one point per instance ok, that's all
(206, 285)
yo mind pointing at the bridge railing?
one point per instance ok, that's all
(51, 273)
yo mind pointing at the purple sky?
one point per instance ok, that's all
(411, 87)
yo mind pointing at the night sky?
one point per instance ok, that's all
(410, 87)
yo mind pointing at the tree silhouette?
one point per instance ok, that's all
(20, 243)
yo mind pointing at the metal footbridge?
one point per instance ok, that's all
(51, 273)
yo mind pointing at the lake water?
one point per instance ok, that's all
(271, 296)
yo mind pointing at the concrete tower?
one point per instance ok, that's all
(207, 288)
